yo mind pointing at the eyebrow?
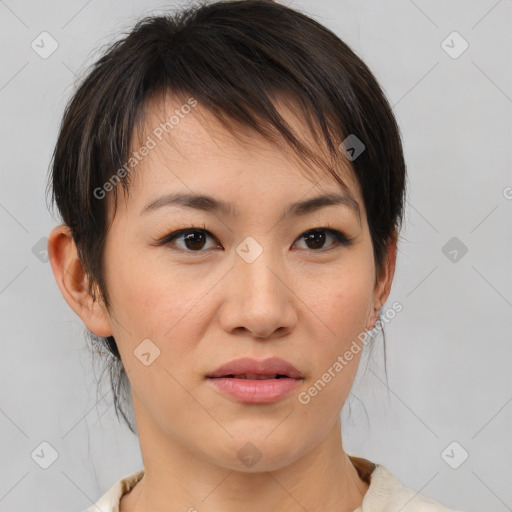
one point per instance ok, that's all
(210, 204)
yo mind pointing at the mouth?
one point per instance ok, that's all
(258, 382)
(254, 369)
(252, 376)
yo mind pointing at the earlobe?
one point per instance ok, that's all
(374, 316)
(73, 281)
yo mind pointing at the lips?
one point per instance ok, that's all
(253, 369)
(251, 381)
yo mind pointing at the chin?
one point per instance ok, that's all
(255, 454)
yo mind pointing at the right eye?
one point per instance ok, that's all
(192, 239)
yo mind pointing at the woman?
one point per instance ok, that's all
(236, 278)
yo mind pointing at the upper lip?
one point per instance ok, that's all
(245, 365)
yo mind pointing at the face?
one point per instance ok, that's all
(193, 288)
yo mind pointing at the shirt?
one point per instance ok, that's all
(384, 494)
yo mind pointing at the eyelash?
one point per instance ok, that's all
(340, 238)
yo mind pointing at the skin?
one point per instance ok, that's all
(202, 309)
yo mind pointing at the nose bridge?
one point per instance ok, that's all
(259, 302)
(255, 268)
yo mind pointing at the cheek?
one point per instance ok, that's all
(153, 299)
(342, 305)
(349, 305)
(335, 355)
(345, 300)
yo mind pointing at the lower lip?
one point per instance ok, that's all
(255, 391)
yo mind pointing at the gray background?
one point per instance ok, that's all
(449, 350)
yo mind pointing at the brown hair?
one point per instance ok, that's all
(234, 58)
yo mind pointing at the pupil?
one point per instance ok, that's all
(315, 236)
(191, 240)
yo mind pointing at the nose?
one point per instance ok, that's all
(258, 301)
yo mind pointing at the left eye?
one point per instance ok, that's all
(194, 239)
(317, 237)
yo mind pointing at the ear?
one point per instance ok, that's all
(383, 282)
(72, 281)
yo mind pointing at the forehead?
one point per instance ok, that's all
(183, 146)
